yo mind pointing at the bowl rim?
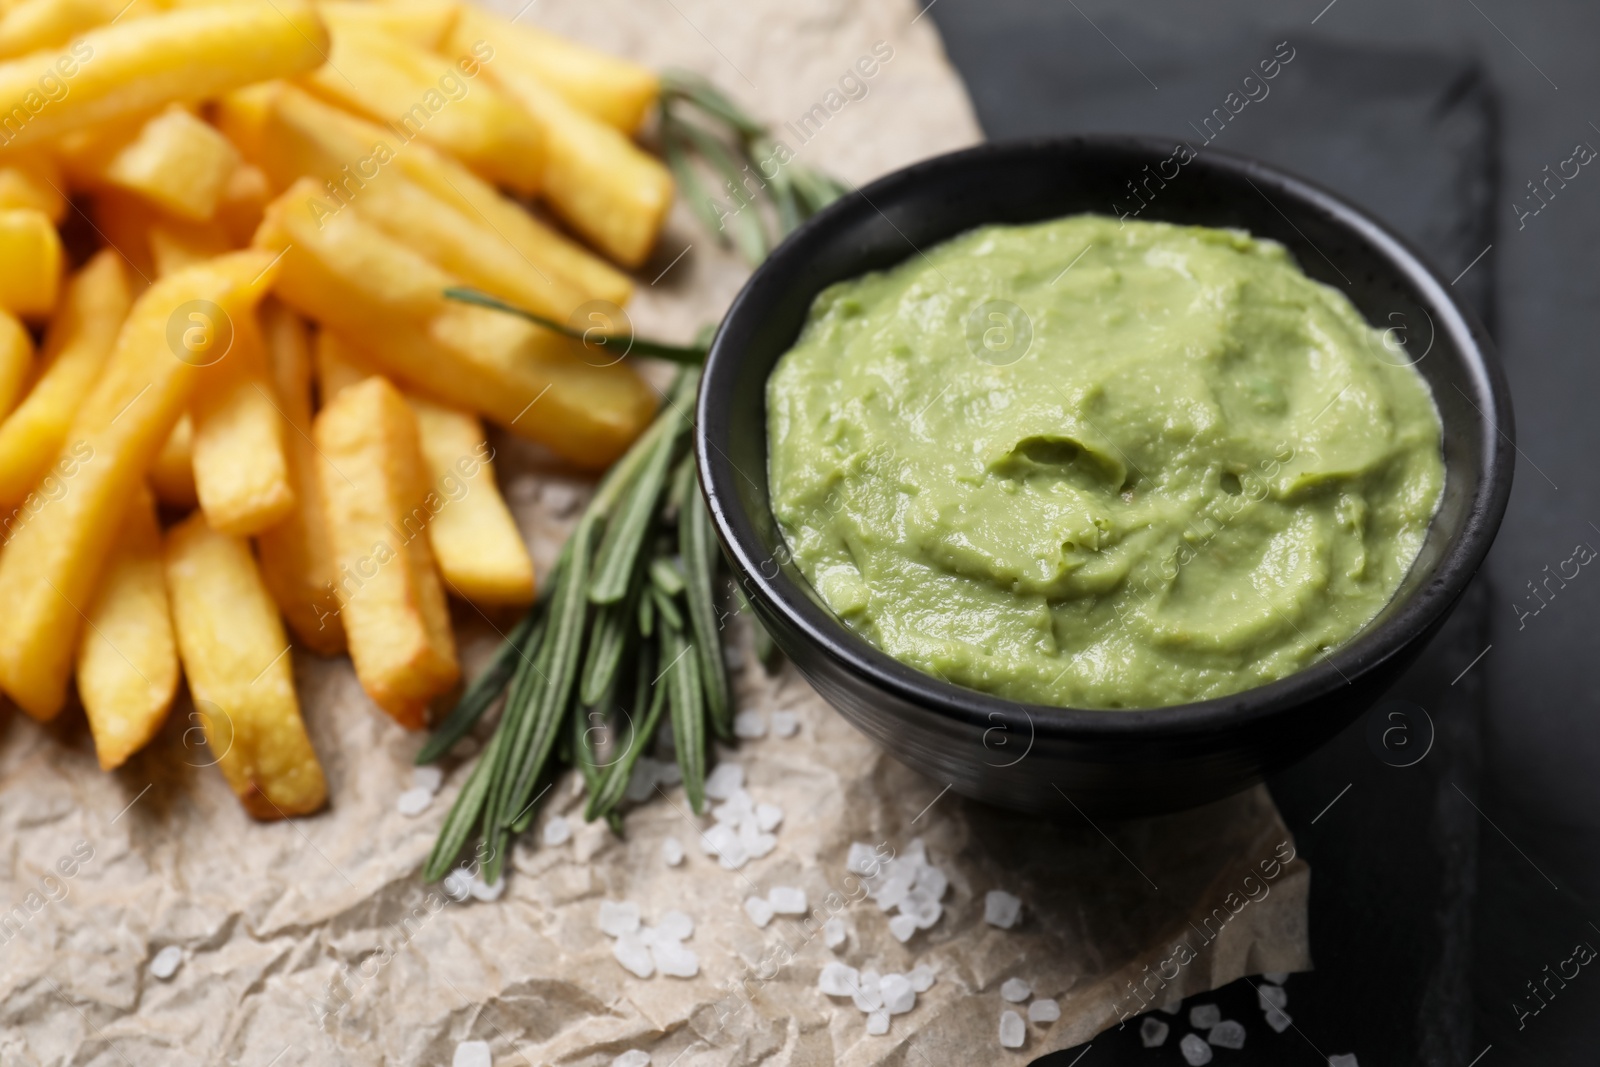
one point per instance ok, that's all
(1422, 608)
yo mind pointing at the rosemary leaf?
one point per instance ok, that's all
(709, 98)
(666, 576)
(671, 617)
(647, 615)
(463, 815)
(698, 549)
(630, 345)
(604, 799)
(682, 678)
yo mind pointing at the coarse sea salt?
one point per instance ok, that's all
(1044, 1010)
(834, 933)
(671, 851)
(165, 963)
(413, 802)
(676, 925)
(901, 927)
(921, 978)
(1227, 1034)
(1195, 1050)
(674, 960)
(1278, 1019)
(458, 884)
(723, 780)
(618, 917)
(1013, 1031)
(1001, 909)
(768, 817)
(487, 891)
(1015, 990)
(838, 980)
(1272, 996)
(785, 724)
(634, 955)
(557, 831)
(861, 859)
(898, 996)
(759, 911)
(1204, 1016)
(878, 1022)
(787, 900)
(429, 778)
(1153, 1032)
(749, 725)
(472, 1054)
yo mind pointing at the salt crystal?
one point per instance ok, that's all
(862, 858)
(1013, 1031)
(1276, 977)
(165, 964)
(738, 804)
(1343, 1059)
(932, 881)
(632, 1058)
(1227, 1034)
(634, 955)
(618, 917)
(458, 884)
(833, 933)
(1272, 996)
(558, 831)
(413, 802)
(921, 978)
(758, 909)
(1204, 1016)
(892, 890)
(1153, 1032)
(1015, 990)
(487, 891)
(756, 844)
(916, 854)
(867, 996)
(838, 980)
(1001, 909)
(898, 996)
(472, 1054)
(750, 724)
(560, 499)
(902, 927)
(877, 1022)
(923, 911)
(768, 816)
(675, 925)
(785, 724)
(1173, 1004)
(1044, 1011)
(671, 851)
(723, 842)
(1278, 1019)
(787, 900)
(429, 778)
(1195, 1050)
(723, 780)
(673, 960)
(642, 782)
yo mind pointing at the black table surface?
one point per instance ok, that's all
(1446, 896)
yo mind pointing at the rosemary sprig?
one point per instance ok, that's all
(694, 354)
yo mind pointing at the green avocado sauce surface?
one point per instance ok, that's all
(1181, 469)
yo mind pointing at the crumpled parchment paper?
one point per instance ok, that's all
(315, 942)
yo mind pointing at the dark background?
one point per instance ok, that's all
(1439, 890)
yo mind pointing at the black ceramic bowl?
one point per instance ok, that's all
(1048, 759)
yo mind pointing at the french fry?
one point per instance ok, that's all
(128, 659)
(234, 654)
(33, 180)
(174, 159)
(421, 95)
(16, 361)
(171, 474)
(30, 262)
(304, 136)
(243, 200)
(422, 23)
(297, 555)
(36, 25)
(138, 65)
(395, 617)
(612, 90)
(241, 113)
(124, 220)
(599, 182)
(178, 243)
(476, 541)
(76, 347)
(241, 470)
(350, 277)
(474, 538)
(53, 560)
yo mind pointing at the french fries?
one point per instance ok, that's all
(30, 262)
(175, 244)
(177, 161)
(236, 658)
(138, 65)
(297, 554)
(241, 471)
(128, 660)
(171, 474)
(36, 25)
(422, 95)
(33, 180)
(76, 347)
(53, 560)
(392, 605)
(422, 23)
(16, 360)
(356, 280)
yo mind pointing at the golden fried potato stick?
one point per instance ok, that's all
(475, 540)
(16, 361)
(137, 65)
(76, 347)
(241, 466)
(301, 136)
(235, 656)
(128, 658)
(243, 200)
(296, 555)
(124, 220)
(354, 279)
(53, 561)
(174, 159)
(30, 263)
(422, 23)
(171, 474)
(392, 604)
(178, 243)
(35, 25)
(613, 90)
(33, 180)
(421, 95)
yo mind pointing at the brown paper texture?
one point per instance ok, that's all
(315, 942)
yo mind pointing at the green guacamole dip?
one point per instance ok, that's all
(1101, 465)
